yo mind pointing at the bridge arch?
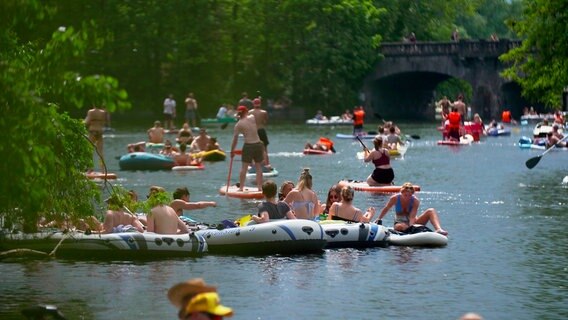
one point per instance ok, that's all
(403, 83)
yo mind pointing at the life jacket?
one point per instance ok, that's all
(506, 116)
(455, 119)
(358, 117)
(326, 142)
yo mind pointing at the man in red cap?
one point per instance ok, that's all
(261, 117)
(253, 148)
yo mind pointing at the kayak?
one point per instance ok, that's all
(113, 245)
(280, 236)
(247, 193)
(198, 166)
(317, 152)
(266, 172)
(213, 155)
(363, 186)
(145, 161)
(351, 136)
(424, 237)
(343, 234)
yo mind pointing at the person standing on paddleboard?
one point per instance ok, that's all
(261, 117)
(253, 148)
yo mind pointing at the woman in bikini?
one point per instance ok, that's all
(345, 210)
(302, 199)
(383, 173)
(406, 206)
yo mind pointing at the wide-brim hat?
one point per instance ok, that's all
(208, 302)
(178, 292)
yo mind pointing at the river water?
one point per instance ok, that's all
(506, 258)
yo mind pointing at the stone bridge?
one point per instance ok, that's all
(403, 83)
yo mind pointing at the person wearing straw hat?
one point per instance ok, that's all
(197, 300)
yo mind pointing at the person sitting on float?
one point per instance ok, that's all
(270, 208)
(319, 116)
(323, 144)
(346, 211)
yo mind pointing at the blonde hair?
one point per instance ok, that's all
(347, 193)
(407, 186)
(378, 142)
(305, 180)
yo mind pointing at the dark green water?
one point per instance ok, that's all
(506, 258)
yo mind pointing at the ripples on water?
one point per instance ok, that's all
(506, 258)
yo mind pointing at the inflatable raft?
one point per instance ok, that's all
(333, 121)
(363, 186)
(274, 237)
(145, 161)
(113, 245)
(464, 141)
(342, 234)
(247, 193)
(213, 155)
(400, 151)
(317, 152)
(420, 239)
(197, 166)
(94, 175)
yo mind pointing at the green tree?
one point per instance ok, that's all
(540, 64)
(48, 150)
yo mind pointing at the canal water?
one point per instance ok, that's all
(506, 257)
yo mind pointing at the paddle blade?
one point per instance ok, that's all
(224, 125)
(532, 162)
(415, 136)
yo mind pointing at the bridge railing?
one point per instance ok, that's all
(463, 48)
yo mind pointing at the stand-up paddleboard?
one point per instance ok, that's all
(363, 186)
(464, 141)
(316, 152)
(266, 172)
(101, 175)
(351, 136)
(247, 193)
(198, 166)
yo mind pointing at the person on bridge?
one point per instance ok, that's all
(358, 120)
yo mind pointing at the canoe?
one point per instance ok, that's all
(351, 136)
(113, 245)
(218, 120)
(247, 193)
(266, 172)
(363, 186)
(420, 239)
(199, 166)
(343, 234)
(145, 161)
(213, 155)
(273, 237)
(333, 121)
(95, 175)
(317, 152)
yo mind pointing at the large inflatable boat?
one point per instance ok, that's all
(342, 234)
(112, 245)
(273, 237)
(422, 237)
(145, 161)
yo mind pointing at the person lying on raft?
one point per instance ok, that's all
(345, 211)
(270, 208)
(323, 144)
(406, 206)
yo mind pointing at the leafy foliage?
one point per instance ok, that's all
(540, 64)
(47, 151)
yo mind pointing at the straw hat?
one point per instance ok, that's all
(208, 302)
(191, 287)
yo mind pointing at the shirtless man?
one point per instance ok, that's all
(116, 220)
(201, 141)
(253, 148)
(460, 105)
(95, 122)
(182, 158)
(261, 118)
(156, 133)
(445, 104)
(163, 218)
(181, 202)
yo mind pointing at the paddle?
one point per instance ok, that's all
(224, 125)
(229, 176)
(364, 146)
(532, 162)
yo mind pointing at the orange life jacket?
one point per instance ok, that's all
(358, 117)
(326, 142)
